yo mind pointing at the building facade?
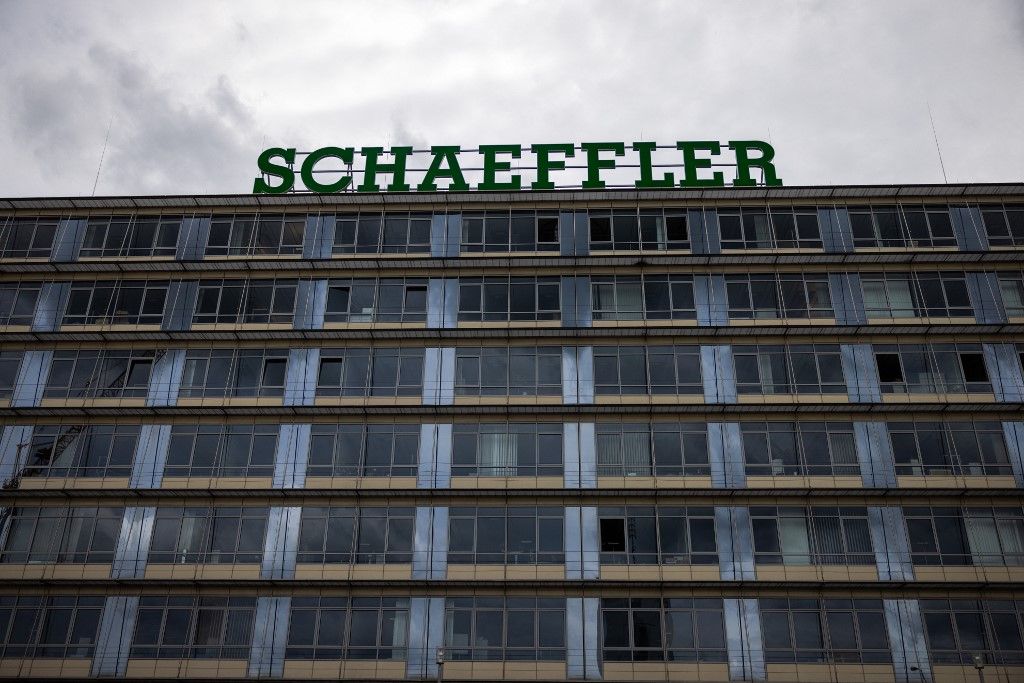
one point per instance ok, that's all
(734, 434)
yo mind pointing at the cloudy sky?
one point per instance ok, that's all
(193, 90)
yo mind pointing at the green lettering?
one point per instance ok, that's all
(310, 181)
(692, 164)
(744, 163)
(595, 163)
(269, 168)
(373, 167)
(644, 150)
(545, 164)
(450, 156)
(492, 166)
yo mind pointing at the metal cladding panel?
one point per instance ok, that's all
(969, 228)
(32, 374)
(182, 296)
(581, 233)
(577, 375)
(847, 298)
(165, 379)
(571, 466)
(453, 235)
(310, 305)
(133, 543)
(291, 456)
(907, 641)
(438, 543)
(566, 234)
(301, 377)
(426, 635)
(860, 373)
(874, 454)
(269, 637)
(434, 465)
(442, 303)
(1004, 372)
(582, 638)
(725, 453)
(710, 300)
(68, 240)
(888, 530)
(53, 298)
(150, 456)
(577, 310)
(421, 543)
(1014, 433)
(281, 543)
(439, 376)
(986, 298)
(318, 236)
(836, 233)
(718, 374)
(114, 636)
(743, 639)
(192, 238)
(582, 543)
(735, 544)
(705, 237)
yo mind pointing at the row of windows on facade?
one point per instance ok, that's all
(764, 296)
(520, 449)
(518, 535)
(639, 629)
(506, 371)
(512, 231)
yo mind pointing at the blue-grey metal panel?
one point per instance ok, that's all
(150, 456)
(969, 228)
(847, 298)
(32, 374)
(442, 303)
(426, 457)
(310, 305)
(571, 455)
(986, 298)
(735, 543)
(860, 373)
(53, 297)
(874, 454)
(1004, 372)
(566, 235)
(581, 233)
(301, 377)
(426, 635)
(443, 456)
(453, 235)
(888, 530)
(577, 375)
(192, 238)
(439, 376)
(582, 638)
(269, 637)
(836, 232)
(181, 305)
(584, 302)
(13, 440)
(587, 445)
(582, 543)
(718, 374)
(567, 294)
(710, 300)
(439, 543)
(423, 530)
(907, 641)
(68, 240)
(281, 543)
(114, 636)
(133, 543)
(1014, 433)
(744, 639)
(291, 456)
(165, 379)
(318, 236)
(705, 237)
(725, 452)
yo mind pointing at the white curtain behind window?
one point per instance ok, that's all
(636, 454)
(796, 547)
(1011, 537)
(901, 300)
(983, 540)
(498, 456)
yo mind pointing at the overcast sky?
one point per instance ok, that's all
(193, 91)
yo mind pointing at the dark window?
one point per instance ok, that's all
(221, 451)
(657, 535)
(507, 449)
(191, 627)
(505, 629)
(506, 535)
(362, 372)
(799, 449)
(215, 535)
(949, 448)
(57, 627)
(656, 629)
(837, 631)
(657, 448)
(815, 535)
(348, 535)
(339, 628)
(959, 630)
(81, 451)
(51, 535)
(508, 371)
(27, 237)
(99, 374)
(225, 373)
(18, 302)
(359, 450)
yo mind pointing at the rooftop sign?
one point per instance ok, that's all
(588, 166)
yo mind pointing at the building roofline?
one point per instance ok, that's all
(812, 193)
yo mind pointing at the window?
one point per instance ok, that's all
(1011, 289)
(916, 295)
(662, 629)
(116, 302)
(18, 302)
(798, 630)
(226, 373)
(503, 231)
(9, 363)
(643, 449)
(1003, 224)
(58, 627)
(50, 535)
(902, 226)
(504, 629)
(245, 301)
(508, 299)
(770, 296)
(643, 297)
(211, 535)
(949, 448)
(799, 449)
(813, 535)
(374, 233)
(506, 535)
(797, 369)
(131, 236)
(27, 237)
(360, 450)
(255, 235)
(932, 369)
(631, 370)
(81, 451)
(348, 535)
(336, 628)
(105, 373)
(657, 535)
(359, 372)
(387, 300)
(775, 228)
(958, 630)
(971, 536)
(508, 371)
(646, 229)
(507, 449)
(221, 451)
(193, 627)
